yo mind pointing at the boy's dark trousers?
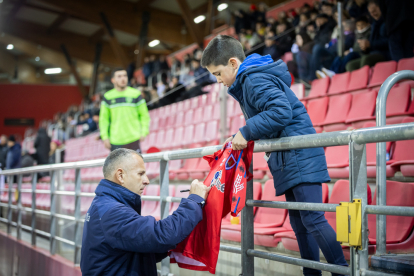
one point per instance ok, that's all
(312, 229)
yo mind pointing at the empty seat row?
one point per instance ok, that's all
(359, 79)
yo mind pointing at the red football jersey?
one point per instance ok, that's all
(227, 178)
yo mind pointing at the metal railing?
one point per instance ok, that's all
(356, 139)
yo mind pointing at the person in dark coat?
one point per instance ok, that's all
(272, 110)
(241, 21)
(3, 151)
(399, 22)
(270, 46)
(42, 146)
(117, 240)
(324, 30)
(14, 154)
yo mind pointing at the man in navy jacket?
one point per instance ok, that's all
(117, 240)
(262, 87)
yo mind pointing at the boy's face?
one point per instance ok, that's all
(225, 74)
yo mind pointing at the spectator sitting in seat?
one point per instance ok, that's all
(357, 8)
(270, 46)
(3, 151)
(303, 56)
(54, 145)
(285, 40)
(14, 154)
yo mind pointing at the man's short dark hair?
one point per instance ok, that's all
(116, 70)
(373, 2)
(114, 158)
(221, 49)
(362, 18)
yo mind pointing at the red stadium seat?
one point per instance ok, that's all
(179, 120)
(189, 166)
(154, 124)
(382, 70)
(398, 103)
(169, 136)
(194, 102)
(201, 171)
(259, 165)
(207, 113)
(149, 141)
(148, 207)
(216, 113)
(406, 64)
(153, 170)
(337, 159)
(299, 90)
(167, 110)
(358, 79)
(157, 212)
(362, 108)
(178, 137)
(171, 120)
(403, 157)
(212, 134)
(339, 83)
(230, 106)
(188, 117)
(187, 105)
(319, 88)
(188, 135)
(199, 133)
(159, 142)
(173, 167)
(398, 227)
(337, 113)
(198, 115)
(317, 110)
(179, 188)
(174, 108)
(236, 123)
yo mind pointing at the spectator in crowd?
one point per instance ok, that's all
(54, 145)
(3, 151)
(28, 161)
(241, 22)
(328, 9)
(14, 154)
(147, 68)
(357, 8)
(270, 46)
(89, 124)
(284, 40)
(42, 146)
(323, 31)
(303, 57)
(178, 88)
(399, 22)
(114, 221)
(124, 118)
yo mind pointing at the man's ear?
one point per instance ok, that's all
(233, 63)
(120, 175)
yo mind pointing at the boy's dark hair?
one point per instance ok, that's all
(373, 2)
(362, 18)
(220, 50)
(116, 70)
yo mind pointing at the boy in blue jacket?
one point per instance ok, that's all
(272, 110)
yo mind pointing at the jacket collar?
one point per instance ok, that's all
(121, 194)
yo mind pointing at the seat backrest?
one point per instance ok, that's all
(270, 216)
(178, 137)
(199, 134)
(180, 106)
(154, 123)
(338, 108)
(403, 150)
(160, 138)
(358, 79)
(406, 64)
(169, 136)
(167, 110)
(188, 117)
(194, 102)
(257, 193)
(325, 193)
(216, 112)
(203, 165)
(148, 207)
(259, 161)
(212, 97)
(317, 110)
(188, 135)
(207, 113)
(382, 70)
(171, 120)
(398, 99)
(363, 105)
(236, 123)
(198, 115)
(179, 120)
(212, 131)
(230, 106)
(191, 164)
(337, 157)
(179, 188)
(319, 87)
(186, 105)
(371, 148)
(339, 83)
(173, 108)
(398, 227)
(298, 89)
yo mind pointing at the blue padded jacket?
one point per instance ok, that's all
(272, 110)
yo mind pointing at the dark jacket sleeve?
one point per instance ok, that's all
(126, 230)
(275, 110)
(380, 42)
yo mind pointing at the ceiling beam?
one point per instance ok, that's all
(73, 70)
(57, 23)
(97, 36)
(122, 15)
(188, 18)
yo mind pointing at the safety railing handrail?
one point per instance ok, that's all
(338, 138)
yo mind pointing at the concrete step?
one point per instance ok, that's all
(402, 264)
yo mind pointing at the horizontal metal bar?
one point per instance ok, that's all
(42, 212)
(70, 193)
(65, 240)
(150, 198)
(231, 249)
(324, 207)
(87, 194)
(390, 210)
(65, 217)
(4, 220)
(300, 262)
(365, 272)
(327, 139)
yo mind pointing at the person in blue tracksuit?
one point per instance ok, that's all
(271, 109)
(117, 240)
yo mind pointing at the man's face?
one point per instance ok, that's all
(195, 64)
(374, 11)
(135, 178)
(225, 74)
(320, 21)
(3, 140)
(327, 10)
(120, 79)
(361, 25)
(10, 144)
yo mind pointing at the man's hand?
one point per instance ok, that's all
(107, 144)
(364, 44)
(228, 140)
(198, 188)
(239, 142)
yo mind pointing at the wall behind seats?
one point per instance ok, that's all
(34, 101)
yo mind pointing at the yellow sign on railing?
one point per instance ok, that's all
(349, 223)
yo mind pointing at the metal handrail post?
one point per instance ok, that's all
(78, 238)
(358, 190)
(247, 231)
(381, 154)
(53, 212)
(9, 204)
(164, 193)
(19, 206)
(33, 230)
